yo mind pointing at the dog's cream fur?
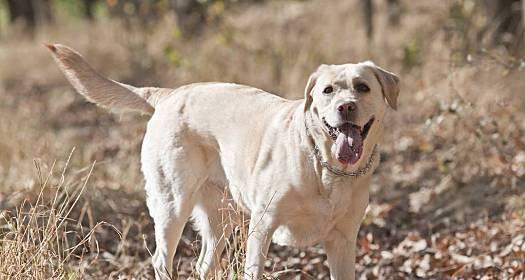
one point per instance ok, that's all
(207, 139)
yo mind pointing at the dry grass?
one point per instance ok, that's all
(40, 239)
(447, 200)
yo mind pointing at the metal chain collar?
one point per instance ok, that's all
(338, 172)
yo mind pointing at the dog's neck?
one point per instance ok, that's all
(321, 145)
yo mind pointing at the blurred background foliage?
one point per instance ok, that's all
(490, 21)
(472, 25)
(191, 15)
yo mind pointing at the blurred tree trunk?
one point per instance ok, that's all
(523, 14)
(22, 11)
(394, 12)
(88, 8)
(191, 14)
(505, 21)
(368, 13)
(394, 15)
(43, 11)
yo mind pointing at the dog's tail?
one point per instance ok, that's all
(101, 91)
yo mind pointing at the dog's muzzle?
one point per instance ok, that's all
(349, 139)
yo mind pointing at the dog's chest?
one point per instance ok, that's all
(314, 218)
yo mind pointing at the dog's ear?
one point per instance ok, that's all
(312, 80)
(389, 83)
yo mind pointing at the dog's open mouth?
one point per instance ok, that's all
(349, 139)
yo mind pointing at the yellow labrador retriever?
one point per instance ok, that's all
(300, 169)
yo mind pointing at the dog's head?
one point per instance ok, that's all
(349, 100)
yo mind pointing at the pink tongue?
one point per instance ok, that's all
(349, 145)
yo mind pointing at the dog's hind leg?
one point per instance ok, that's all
(215, 221)
(173, 180)
(168, 230)
(170, 212)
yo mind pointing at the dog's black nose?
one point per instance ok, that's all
(347, 107)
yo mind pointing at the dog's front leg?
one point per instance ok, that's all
(341, 245)
(260, 233)
(341, 257)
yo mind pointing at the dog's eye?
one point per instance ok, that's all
(328, 90)
(361, 88)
